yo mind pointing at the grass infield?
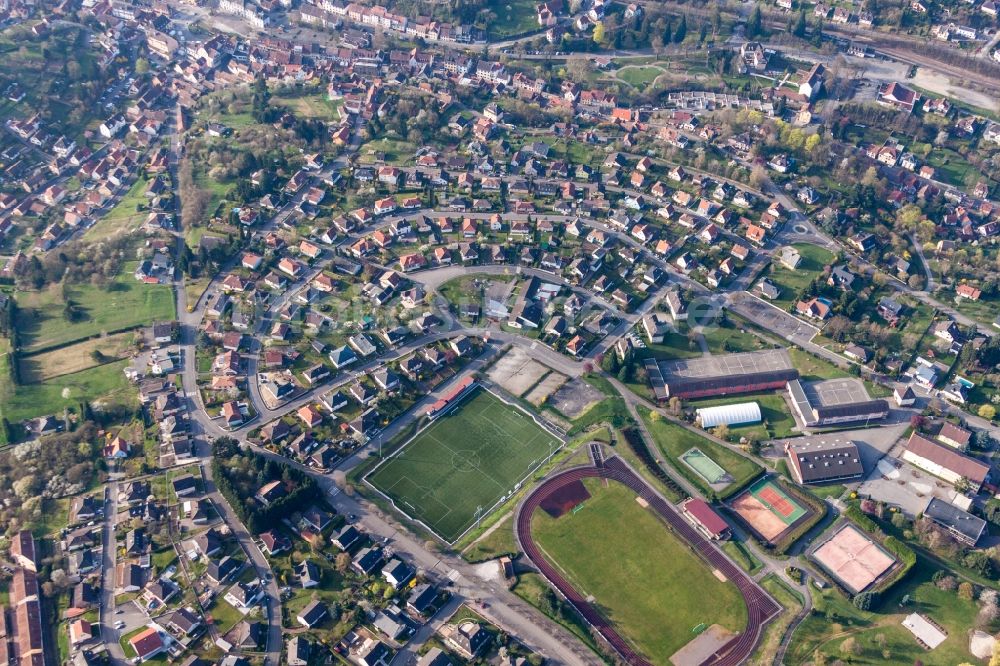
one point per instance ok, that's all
(467, 459)
(645, 581)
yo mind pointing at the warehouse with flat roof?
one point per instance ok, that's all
(723, 374)
(834, 402)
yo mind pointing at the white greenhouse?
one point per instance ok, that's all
(738, 414)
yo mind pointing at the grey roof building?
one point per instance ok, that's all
(823, 458)
(960, 524)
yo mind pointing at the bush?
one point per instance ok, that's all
(861, 520)
(865, 601)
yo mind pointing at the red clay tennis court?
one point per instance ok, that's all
(776, 501)
(854, 559)
(767, 509)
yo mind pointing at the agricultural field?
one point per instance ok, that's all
(104, 382)
(74, 358)
(653, 606)
(124, 304)
(466, 461)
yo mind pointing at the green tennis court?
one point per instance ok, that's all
(706, 468)
(774, 498)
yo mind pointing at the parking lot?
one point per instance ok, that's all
(771, 318)
(896, 483)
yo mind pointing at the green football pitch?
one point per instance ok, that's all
(463, 463)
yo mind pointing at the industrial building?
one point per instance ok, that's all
(724, 374)
(736, 414)
(835, 402)
(945, 462)
(822, 459)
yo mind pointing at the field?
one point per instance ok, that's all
(52, 396)
(75, 358)
(466, 461)
(673, 441)
(125, 304)
(792, 282)
(768, 510)
(124, 216)
(313, 105)
(985, 310)
(705, 466)
(881, 637)
(853, 558)
(513, 17)
(393, 151)
(652, 605)
(637, 76)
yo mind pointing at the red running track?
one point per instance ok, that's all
(760, 607)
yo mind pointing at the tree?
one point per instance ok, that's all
(682, 29)
(850, 648)
(599, 33)
(812, 142)
(721, 431)
(865, 601)
(962, 485)
(965, 590)
(754, 23)
(800, 25)
(988, 412)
